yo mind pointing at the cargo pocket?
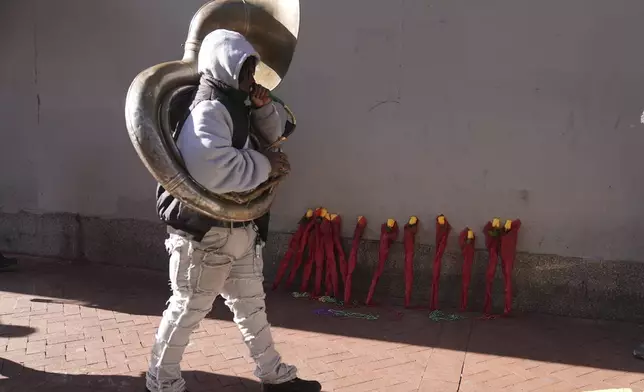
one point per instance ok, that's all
(212, 263)
(178, 249)
(214, 269)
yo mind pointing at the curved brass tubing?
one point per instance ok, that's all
(272, 27)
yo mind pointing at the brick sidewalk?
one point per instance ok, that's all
(70, 329)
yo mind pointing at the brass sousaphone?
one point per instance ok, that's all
(160, 95)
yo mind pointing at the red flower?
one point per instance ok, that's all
(308, 266)
(326, 233)
(336, 224)
(492, 233)
(318, 255)
(293, 248)
(443, 229)
(353, 256)
(388, 234)
(411, 228)
(316, 252)
(466, 241)
(509, 239)
(299, 256)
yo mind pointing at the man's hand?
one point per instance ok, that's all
(259, 95)
(279, 163)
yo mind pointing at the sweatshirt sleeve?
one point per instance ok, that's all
(205, 143)
(267, 121)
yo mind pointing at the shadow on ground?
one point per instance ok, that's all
(596, 344)
(15, 331)
(21, 379)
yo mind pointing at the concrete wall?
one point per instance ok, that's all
(474, 109)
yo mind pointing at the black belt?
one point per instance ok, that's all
(198, 234)
(226, 224)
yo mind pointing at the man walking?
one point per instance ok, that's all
(210, 257)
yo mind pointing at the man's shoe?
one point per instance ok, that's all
(295, 385)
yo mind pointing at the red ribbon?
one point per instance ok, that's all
(442, 233)
(410, 240)
(387, 237)
(353, 256)
(293, 248)
(508, 254)
(467, 250)
(492, 242)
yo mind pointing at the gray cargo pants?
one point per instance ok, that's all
(224, 262)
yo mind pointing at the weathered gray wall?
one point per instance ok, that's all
(471, 108)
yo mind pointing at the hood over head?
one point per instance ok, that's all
(222, 54)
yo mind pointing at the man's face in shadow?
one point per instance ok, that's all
(247, 74)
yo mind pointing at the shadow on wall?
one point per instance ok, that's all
(139, 292)
(28, 379)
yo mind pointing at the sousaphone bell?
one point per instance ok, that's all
(159, 97)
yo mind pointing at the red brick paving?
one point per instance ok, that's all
(72, 328)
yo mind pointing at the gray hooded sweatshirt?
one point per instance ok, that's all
(205, 141)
